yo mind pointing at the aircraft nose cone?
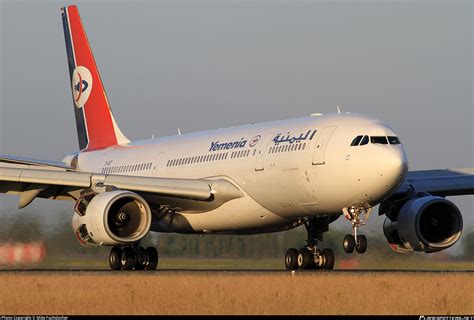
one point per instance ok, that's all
(394, 167)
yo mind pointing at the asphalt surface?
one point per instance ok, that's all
(223, 271)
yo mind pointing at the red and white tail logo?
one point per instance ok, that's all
(96, 126)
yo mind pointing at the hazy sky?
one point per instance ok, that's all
(208, 64)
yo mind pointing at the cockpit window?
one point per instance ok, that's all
(393, 140)
(365, 140)
(379, 140)
(356, 141)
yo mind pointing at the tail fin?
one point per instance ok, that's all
(96, 126)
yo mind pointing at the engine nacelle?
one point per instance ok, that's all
(110, 218)
(426, 224)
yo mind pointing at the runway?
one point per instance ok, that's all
(214, 292)
(79, 271)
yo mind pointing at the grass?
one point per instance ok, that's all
(213, 293)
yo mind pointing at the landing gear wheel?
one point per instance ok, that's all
(349, 243)
(361, 246)
(291, 259)
(151, 258)
(305, 259)
(114, 258)
(140, 260)
(328, 257)
(127, 260)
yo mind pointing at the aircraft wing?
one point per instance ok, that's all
(32, 162)
(61, 184)
(447, 182)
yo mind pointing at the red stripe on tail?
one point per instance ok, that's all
(99, 124)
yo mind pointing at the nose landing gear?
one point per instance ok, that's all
(356, 241)
(311, 257)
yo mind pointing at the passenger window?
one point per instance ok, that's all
(364, 141)
(356, 141)
(393, 140)
(379, 140)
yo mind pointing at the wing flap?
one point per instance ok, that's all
(181, 188)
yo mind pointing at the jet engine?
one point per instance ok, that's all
(427, 224)
(111, 218)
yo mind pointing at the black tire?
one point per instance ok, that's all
(361, 246)
(140, 259)
(115, 256)
(291, 259)
(328, 256)
(305, 259)
(151, 258)
(127, 261)
(349, 243)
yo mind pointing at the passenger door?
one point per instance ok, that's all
(321, 145)
(261, 149)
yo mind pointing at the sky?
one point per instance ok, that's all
(198, 65)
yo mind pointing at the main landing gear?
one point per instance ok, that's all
(133, 257)
(355, 240)
(311, 257)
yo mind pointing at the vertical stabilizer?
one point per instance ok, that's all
(96, 126)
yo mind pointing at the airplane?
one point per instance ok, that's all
(259, 178)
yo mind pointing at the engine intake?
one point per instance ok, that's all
(110, 218)
(426, 224)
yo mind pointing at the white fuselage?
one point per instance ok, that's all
(286, 169)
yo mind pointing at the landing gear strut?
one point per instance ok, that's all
(355, 240)
(134, 257)
(311, 257)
